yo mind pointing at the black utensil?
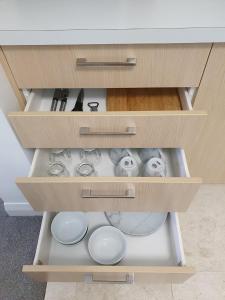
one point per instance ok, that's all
(56, 97)
(64, 96)
(79, 103)
(93, 106)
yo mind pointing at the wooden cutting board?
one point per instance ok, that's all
(143, 99)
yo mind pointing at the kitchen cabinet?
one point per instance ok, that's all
(190, 72)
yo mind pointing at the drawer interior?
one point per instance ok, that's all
(141, 99)
(175, 161)
(162, 248)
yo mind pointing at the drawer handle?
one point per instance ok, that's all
(129, 279)
(89, 193)
(129, 62)
(88, 131)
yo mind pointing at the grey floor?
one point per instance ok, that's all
(18, 240)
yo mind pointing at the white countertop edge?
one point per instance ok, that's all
(127, 36)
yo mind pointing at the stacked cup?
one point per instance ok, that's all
(154, 162)
(125, 164)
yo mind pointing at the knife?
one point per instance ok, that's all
(56, 96)
(64, 96)
(79, 103)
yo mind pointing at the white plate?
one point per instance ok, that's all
(69, 227)
(107, 245)
(134, 223)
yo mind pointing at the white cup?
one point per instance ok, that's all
(147, 153)
(127, 166)
(116, 154)
(155, 167)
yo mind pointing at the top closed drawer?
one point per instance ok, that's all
(108, 65)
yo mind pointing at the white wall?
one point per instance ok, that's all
(14, 160)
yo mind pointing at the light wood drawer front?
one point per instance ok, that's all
(110, 275)
(161, 260)
(156, 65)
(107, 192)
(37, 127)
(107, 130)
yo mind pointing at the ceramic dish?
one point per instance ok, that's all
(147, 153)
(134, 223)
(116, 154)
(127, 167)
(69, 227)
(154, 167)
(107, 245)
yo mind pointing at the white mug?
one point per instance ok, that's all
(116, 154)
(148, 153)
(155, 167)
(127, 166)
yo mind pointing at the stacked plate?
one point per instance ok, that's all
(134, 223)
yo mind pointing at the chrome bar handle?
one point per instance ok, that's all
(129, 279)
(83, 62)
(88, 131)
(89, 193)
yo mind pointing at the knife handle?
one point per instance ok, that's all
(54, 104)
(63, 105)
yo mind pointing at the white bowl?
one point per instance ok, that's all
(107, 245)
(69, 227)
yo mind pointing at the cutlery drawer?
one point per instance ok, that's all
(169, 122)
(105, 191)
(158, 257)
(116, 66)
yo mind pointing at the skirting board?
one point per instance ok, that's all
(20, 209)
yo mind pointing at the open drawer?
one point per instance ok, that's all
(165, 124)
(158, 257)
(106, 191)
